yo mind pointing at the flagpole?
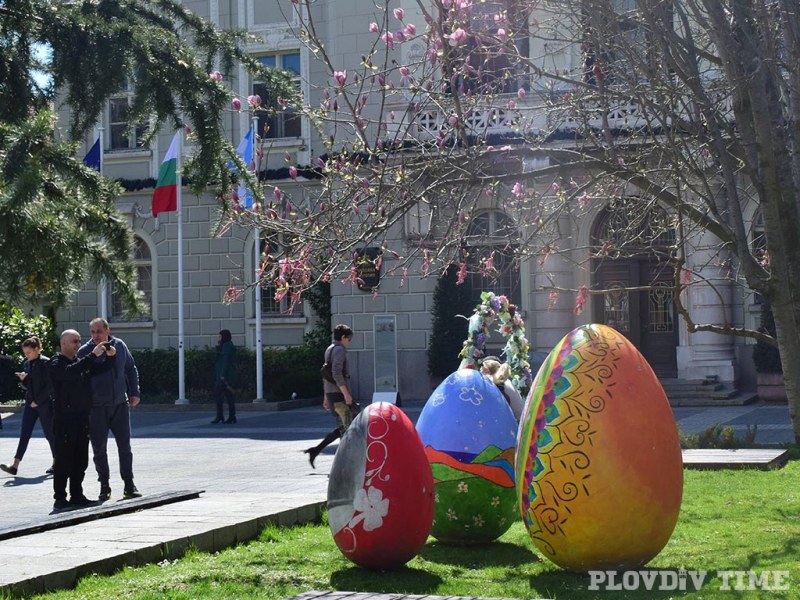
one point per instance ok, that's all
(103, 279)
(181, 357)
(256, 269)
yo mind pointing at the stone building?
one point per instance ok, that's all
(212, 263)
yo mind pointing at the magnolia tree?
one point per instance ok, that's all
(548, 110)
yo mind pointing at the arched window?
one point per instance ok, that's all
(488, 239)
(271, 252)
(142, 258)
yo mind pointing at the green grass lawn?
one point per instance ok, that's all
(730, 521)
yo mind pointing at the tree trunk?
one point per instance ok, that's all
(787, 325)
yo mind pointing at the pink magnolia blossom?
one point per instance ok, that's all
(518, 190)
(340, 77)
(584, 199)
(501, 33)
(462, 273)
(453, 120)
(400, 36)
(552, 299)
(388, 37)
(236, 104)
(521, 93)
(458, 37)
(254, 100)
(410, 29)
(373, 27)
(277, 193)
(581, 299)
(293, 172)
(511, 105)
(556, 188)
(216, 76)
(399, 13)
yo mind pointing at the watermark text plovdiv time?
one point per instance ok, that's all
(683, 580)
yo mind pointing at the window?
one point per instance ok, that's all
(758, 237)
(278, 122)
(494, 69)
(121, 135)
(271, 253)
(488, 239)
(144, 282)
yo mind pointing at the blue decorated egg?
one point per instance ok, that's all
(469, 434)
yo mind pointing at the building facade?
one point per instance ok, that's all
(216, 261)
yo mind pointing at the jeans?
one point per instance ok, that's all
(117, 419)
(44, 412)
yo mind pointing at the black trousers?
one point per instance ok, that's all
(223, 392)
(71, 437)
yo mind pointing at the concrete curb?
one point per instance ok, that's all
(211, 539)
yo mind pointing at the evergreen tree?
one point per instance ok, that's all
(451, 304)
(58, 218)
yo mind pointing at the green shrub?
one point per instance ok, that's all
(448, 329)
(15, 328)
(285, 370)
(718, 436)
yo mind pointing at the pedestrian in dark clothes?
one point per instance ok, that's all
(114, 391)
(73, 402)
(38, 401)
(5, 374)
(225, 377)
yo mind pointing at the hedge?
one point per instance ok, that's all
(285, 370)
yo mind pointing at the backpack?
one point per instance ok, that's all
(326, 371)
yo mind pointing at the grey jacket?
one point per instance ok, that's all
(118, 382)
(336, 356)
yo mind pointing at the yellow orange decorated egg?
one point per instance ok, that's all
(598, 465)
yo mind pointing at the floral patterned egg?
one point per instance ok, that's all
(469, 433)
(380, 493)
(598, 467)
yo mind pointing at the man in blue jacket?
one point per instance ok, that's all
(114, 391)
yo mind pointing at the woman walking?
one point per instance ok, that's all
(225, 374)
(35, 379)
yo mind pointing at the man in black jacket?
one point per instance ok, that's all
(72, 390)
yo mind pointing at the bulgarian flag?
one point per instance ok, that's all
(165, 197)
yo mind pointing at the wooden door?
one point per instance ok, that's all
(646, 318)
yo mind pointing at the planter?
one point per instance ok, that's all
(770, 387)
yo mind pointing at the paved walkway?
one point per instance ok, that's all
(251, 473)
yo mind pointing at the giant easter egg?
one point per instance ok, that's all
(469, 432)
(598, 465)
(380, 493)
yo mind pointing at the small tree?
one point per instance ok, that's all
(452, 304)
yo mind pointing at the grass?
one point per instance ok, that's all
(743, 520)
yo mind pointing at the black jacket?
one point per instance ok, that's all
(38, 387)
(72, 388)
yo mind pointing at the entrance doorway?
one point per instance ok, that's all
(648, 317)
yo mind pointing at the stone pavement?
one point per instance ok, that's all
(251, 474)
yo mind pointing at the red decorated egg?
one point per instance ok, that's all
(599, 472)
(380, 493)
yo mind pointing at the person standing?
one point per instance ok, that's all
(114, 391)
(336, 388)
(72, 389)
(224, 376)
(38, 400)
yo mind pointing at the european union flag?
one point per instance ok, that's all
(92, 158)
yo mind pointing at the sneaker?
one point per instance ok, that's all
(81, 501)
(9, 470)
(61, 505)
(105, 492)
(131, 492)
